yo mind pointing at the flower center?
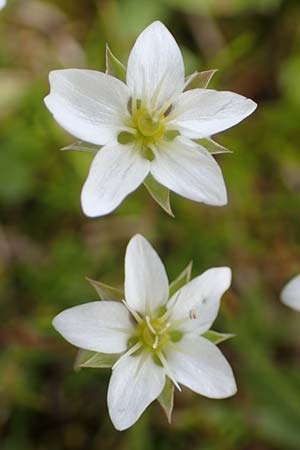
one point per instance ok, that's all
(147, 128)
(154, 334)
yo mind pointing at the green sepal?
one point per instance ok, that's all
(199, 79)
(95, 360)
(166, 399)
(101, 361)
(82, 146)
(105, 291)
(182, 279)
(114, 67)
(212, 146)
(81, 357)
(216, 337)
(159, 193)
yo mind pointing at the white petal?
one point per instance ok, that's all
(116, 171)
(135, 382)
(290, 294)
(98, 326)
(195, 306)
(155, 70)
(190, 171)
(88, 104)
(200, 113)
(146, 281)
(198, 364)
(2, 3)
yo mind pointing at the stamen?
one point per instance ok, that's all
(129, 129)
(155, 345)
(168, 370)
(166, 106)
(133, 312)
(164, 329)
(153, 331)
(132, 350)
(165, 316)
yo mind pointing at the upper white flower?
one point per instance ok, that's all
(2, 3)
(290, 294)
(156, 336)
(146, 126)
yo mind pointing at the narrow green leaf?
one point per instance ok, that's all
(81, 146)
(166, 399)
(199, 79)
(212, 146)
(105, 291)
(182, 279)
(81, 357)
(159, 193)
(216, 337)
(101, 360)
(114, 67)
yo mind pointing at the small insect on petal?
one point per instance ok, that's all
(193, 314)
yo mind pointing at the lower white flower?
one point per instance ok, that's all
(148, 126)
(156, 336)
(2, 3)
(290, 294)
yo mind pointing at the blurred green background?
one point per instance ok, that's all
(47, 246)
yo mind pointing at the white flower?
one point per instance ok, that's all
(146, 126)
(290, 294)
(2, 3)
(154, 335)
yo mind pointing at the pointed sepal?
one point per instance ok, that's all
(166, 399)
(114, 67)
(100, 360)
(183, 278)
(81, 357)
(216, 338)
(105, 291)
(159, 193)
(199, 79)
(212, 146)
(82, 146)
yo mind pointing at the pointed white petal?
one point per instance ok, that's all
(88, 104)
(155, 70)
(98, 326)
(189, 170)
(290, 294)
(146, 281)
(198, 364)
(116, 171)
(195, 306)
(200, 113)
(135, 383)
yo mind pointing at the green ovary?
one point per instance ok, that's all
(148, 129)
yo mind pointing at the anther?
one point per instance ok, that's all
(132, 350)
(155, 345)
